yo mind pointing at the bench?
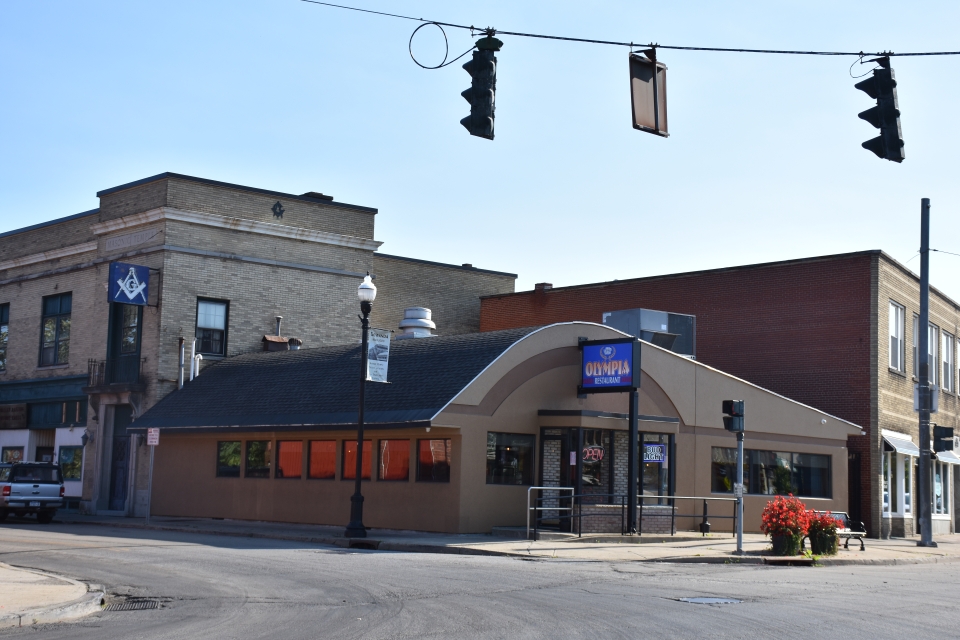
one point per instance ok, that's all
(846, 530)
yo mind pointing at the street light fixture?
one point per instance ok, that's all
(367, 292)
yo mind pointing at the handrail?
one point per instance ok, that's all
(570, 489)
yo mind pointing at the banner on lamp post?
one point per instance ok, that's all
(378, 354)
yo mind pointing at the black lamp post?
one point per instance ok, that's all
(367, 293)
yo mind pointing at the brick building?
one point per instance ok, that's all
(836, 332)
(220, 262)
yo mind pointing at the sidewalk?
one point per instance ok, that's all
(684, 547)
(32, 597)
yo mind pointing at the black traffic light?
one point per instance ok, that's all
(482, 92)
(942, 438)
(733, 415)
(882, 86)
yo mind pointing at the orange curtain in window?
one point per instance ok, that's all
(394, 460)
(289, 459)
(323, 459)
(350, 459)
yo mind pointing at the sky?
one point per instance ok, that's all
(763, 162)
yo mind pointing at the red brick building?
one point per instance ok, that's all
(816, 330)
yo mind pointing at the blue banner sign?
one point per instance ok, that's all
(610, 365)
(655, 453)
(128, 283)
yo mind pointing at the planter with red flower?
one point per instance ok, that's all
(822, 531)
(785, 520)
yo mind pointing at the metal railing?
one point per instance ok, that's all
(126, 370)
(536, 507)
(703, 515)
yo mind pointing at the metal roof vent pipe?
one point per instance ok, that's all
(416, 323)
(279, 320)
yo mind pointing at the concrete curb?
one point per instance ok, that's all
(383, 545)
(90, 602)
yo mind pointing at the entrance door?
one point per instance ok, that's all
(120, 457)
(853, 486)
(123, 359)
(555, 471)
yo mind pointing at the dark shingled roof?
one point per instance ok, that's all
(313, 388)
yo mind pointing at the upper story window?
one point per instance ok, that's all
(932, 343)
(946, 355)
(212, 327)
(55, 330)
(4, 334)
(897, 343)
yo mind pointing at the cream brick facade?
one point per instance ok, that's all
(201, 239)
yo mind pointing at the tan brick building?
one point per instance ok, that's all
(224, 261)
(835, 332)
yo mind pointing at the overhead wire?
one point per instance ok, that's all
(632, 45)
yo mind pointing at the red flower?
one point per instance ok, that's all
(785, 516)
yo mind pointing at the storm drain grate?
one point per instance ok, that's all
(133, 605)
(710, 600)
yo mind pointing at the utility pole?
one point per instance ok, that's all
(923, 360)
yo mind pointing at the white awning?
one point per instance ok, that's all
(902, 445)
(948, 457)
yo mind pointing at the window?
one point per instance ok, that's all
(394, 460)
(591, 458)
(946, 351)
(349, 470)
(290, 459)
(932, 349)
(211, 327)
(129, 328)
(4, 334)
(890, 493)
(323, 460)
(55, 414)
(258, 459)
(916, 343)
(907, 484)
(71, 462)
(510, 458)
(228, 459)
(772, 473)
(11, 454)
(433, 460)
(55, 330)
(896, 337)
(941, 488)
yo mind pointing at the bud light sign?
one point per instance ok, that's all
(610, 365)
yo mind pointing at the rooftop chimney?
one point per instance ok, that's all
(416, 323)
(542, 286)
(316, 195)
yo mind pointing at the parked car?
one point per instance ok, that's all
(31, 488)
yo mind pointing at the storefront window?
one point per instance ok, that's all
(592, 458)
(510, 458)
(394, 460)
(433, 460)
(258, 459)
(941, 488)
(71, 461)
(349, 471)
(655, 464)
(323, 459)
(907, 483)
(772, 473)
(11, 454)
(290, 459)
(228, 459)
(887, 483)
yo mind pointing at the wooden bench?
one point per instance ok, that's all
(846, 530)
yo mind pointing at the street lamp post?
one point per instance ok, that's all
(367, 293)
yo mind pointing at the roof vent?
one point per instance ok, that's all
(316, 195)
(295, 344)
(468, 265)
(416, 323)
(542, 286)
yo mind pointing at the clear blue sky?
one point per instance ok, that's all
(764, 161)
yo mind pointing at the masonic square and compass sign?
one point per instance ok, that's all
(128, 283)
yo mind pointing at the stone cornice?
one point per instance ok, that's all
(236, 224)
(52, 254)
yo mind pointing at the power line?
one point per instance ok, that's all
(638, 45)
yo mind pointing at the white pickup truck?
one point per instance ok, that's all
(30, 488)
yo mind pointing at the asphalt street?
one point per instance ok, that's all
(218, 587)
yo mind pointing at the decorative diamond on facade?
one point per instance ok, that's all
(277, 210)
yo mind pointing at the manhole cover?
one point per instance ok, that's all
(133, 605)
(710, 600)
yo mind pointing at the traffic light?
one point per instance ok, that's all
(733, 415)
(882, 86)
(482, 92)
(942, 438)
